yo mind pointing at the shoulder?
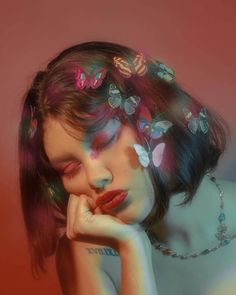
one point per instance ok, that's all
(86, 259)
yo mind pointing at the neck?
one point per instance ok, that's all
(191, 227)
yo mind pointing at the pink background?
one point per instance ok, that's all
(197, 38)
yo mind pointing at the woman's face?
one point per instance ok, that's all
(99, 163)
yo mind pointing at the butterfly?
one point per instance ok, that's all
(155, 128)
(197, 123)
(166, 73)
(116, 100)
(127, 69)
(144, 156)
(33, 123)
(85, 81)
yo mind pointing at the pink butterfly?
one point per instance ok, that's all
(144, 156)
(85, 81)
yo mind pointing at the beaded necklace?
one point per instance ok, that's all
(222, 236)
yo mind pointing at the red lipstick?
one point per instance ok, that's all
(111, 199)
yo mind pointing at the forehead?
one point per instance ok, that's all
(57, 128)
(57, 134)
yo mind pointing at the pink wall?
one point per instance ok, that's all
(197, 38)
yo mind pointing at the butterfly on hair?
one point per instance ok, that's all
(155, 127)
(196, 123)
(94, 80)
(116, 100)
(165, 73)
(137, 66)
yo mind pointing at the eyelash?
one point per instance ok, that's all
(104, 145)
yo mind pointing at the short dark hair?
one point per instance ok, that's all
(53, 93)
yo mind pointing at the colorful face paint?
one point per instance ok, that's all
(113, 168)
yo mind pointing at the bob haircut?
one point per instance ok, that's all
(53, 93)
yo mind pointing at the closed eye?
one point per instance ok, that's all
(70, 170)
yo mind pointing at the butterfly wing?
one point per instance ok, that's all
(193, 125)
(143, 125)
(159, 128)
(123, 66)
(157, 154)
(115, 97)
(202, 120)
(130, 104)
(97, 79)
(187, 114)
(166, 73)
(139, 64)
(82, 80)
(142, 155)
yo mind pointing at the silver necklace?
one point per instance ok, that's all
(222, 236)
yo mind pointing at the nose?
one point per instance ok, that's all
(98, 175)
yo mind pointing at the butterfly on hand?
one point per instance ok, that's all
(93, 80)
(155, 156)
(199, 123)
(116, 100)
(136, 66)
(155, 129)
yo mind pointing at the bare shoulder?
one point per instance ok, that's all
(86, 260)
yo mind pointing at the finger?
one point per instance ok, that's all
(84, 212)
(98, 210)
(71, 213)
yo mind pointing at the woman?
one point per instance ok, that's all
(114, 160)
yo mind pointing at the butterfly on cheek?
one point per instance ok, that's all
(156, 155)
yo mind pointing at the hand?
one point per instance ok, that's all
(82, 219)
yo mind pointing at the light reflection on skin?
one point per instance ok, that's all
(117, 163)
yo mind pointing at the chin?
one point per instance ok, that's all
(133, 217)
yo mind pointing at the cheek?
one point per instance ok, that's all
(76, 185)
(124, 161)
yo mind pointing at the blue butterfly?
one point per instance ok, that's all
(166, 73)
(116, 100)
(154, 129)
(199, 123)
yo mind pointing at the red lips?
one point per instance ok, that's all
(109, 196)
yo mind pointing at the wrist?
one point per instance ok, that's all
(135, 241)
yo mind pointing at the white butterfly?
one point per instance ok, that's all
(144, 156)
